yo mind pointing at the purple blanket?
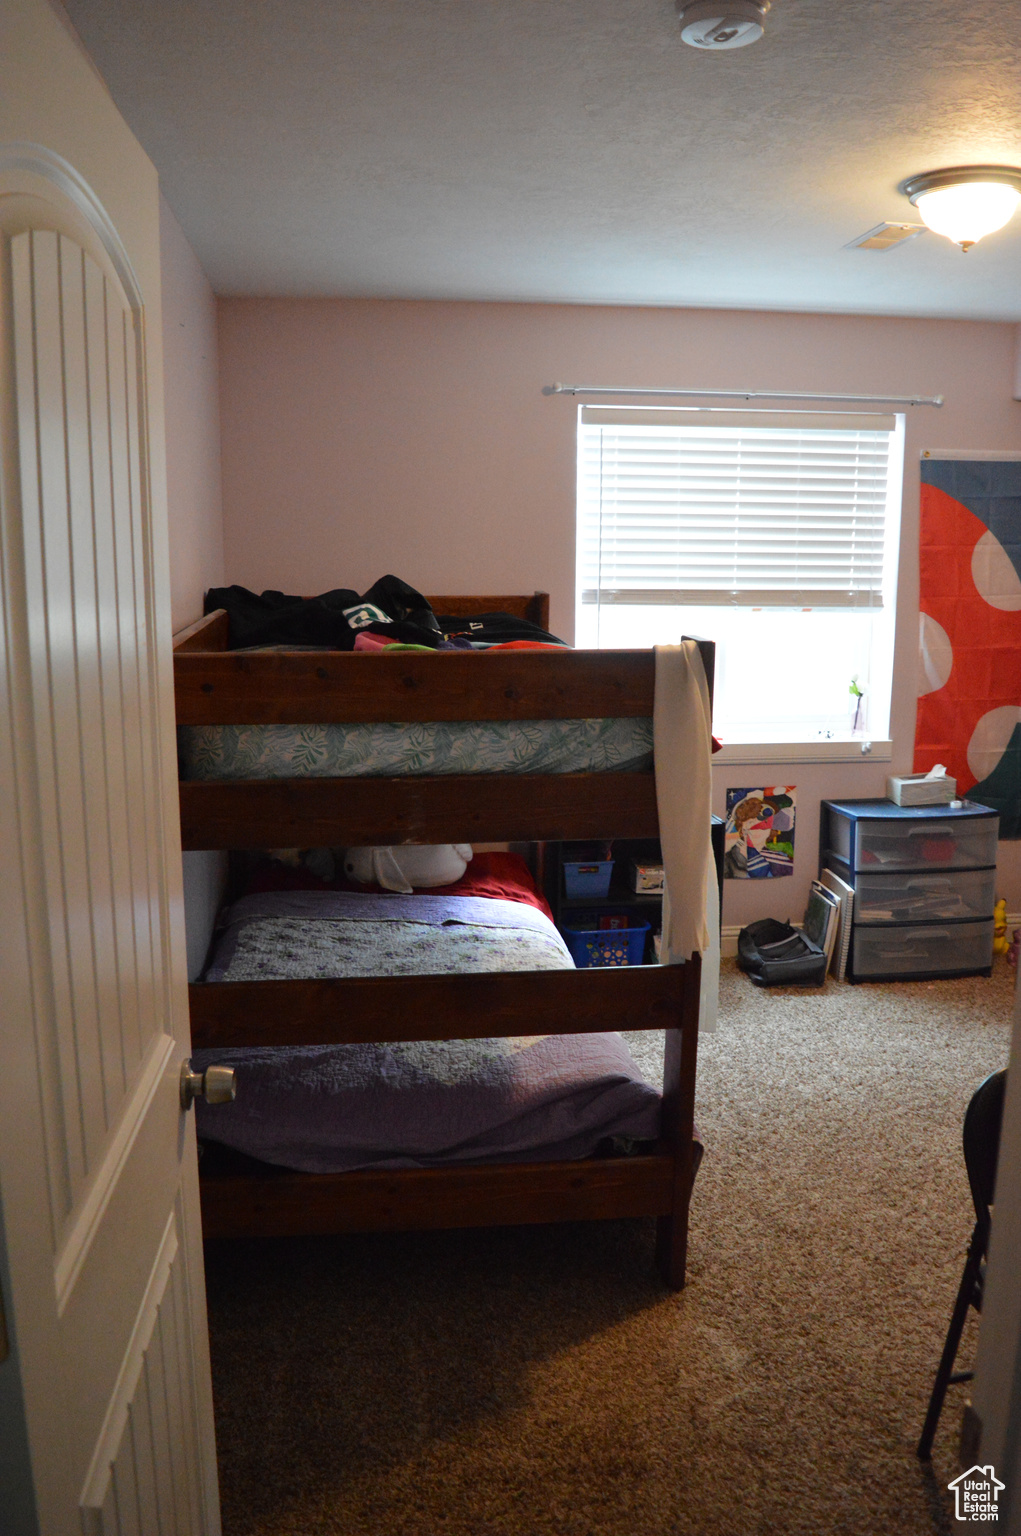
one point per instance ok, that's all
(329, 1108)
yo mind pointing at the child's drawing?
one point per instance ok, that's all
(760, 832)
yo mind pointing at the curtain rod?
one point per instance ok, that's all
(744, 394)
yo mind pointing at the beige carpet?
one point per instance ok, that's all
(540, 1382)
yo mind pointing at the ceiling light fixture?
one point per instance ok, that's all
(966, 202)
(719, 24)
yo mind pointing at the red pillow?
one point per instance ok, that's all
(503, 876)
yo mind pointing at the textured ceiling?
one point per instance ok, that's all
(569, 149)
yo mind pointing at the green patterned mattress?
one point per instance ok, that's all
(392, 749)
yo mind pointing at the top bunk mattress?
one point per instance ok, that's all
(393, 749)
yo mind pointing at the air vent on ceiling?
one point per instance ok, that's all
(884, 237)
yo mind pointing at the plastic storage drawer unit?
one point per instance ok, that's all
(924, 880)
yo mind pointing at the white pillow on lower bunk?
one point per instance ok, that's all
(404, 867)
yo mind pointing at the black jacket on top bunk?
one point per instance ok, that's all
(390, 608)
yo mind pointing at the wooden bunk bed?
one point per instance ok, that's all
(215, 686)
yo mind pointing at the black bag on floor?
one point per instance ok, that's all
(779, 955)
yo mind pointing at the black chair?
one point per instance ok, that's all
(981, 1139)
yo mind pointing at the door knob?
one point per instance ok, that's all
(216, 1085)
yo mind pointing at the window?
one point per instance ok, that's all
(774, 534)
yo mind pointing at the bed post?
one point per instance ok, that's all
(678, 1127)
(208, 634)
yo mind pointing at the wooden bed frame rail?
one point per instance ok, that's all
(367, 1009)
(327, 813)
(217, 687)
(335, 687)
(419, 1199)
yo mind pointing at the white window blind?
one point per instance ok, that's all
(744, 508)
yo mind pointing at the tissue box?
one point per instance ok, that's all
(916, 789)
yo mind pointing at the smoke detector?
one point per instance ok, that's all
(719, 24)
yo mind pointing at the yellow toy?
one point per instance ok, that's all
(1000, 941)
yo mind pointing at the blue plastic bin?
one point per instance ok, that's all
(606, 946)
(588, 877)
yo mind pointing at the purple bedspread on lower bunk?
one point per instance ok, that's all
(332, 1108)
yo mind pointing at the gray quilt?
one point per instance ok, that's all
(336, 1107)
(456, 746)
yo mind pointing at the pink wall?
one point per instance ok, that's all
(192, 408)
(365, 436)
(194, 501)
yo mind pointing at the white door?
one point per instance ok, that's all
(105, 1405)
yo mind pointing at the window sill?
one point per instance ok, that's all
(734, 753)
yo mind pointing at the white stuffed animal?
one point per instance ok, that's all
(403, 867)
